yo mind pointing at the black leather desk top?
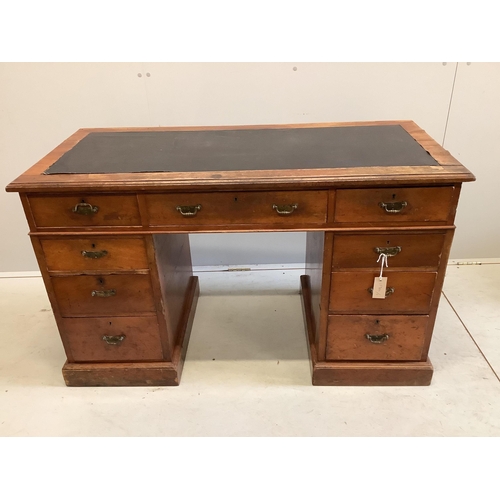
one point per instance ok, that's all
(230, 150)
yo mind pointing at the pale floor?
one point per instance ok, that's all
(247, 371)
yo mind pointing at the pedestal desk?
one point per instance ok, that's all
(110, 212)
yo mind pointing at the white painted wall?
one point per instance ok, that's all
(473, 137)
(41, 104)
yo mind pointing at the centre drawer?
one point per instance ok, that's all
(238, 208)
(113, 339)
(107, 295)
(404, 250)
(94, 254)
(375, 338)
(405, 293)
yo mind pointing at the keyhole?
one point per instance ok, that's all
(110, 322)
(388, 242)
(377, 321)
(393, 196)
(236, 199)
(101, 281)
(93, 245)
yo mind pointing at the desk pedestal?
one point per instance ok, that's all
(140, 374)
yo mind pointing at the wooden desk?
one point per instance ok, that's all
(110, 212)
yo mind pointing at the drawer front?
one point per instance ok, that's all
(85, 211)
(108, 295)
(360, 251)
(393, 205)
(95, 254)
(113, 339)
(239, 208)
(406, 293)
(375, 338)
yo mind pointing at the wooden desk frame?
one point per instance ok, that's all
(174, 291)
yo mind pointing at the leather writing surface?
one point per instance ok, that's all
(252, 149)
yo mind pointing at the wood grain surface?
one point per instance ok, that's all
(347, 337)
(57, 211)
(133, 295)
(72, 255)
(412, 293)
(141, 340)
(417, 250)
(425, 205)
(238, 208)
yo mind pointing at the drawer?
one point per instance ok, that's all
(85, 211)
(375, 338)
(239, 208)
(410, 250)
(394, 205)
(109, 295)
(113, 339)
(94, 254)
(407, 293)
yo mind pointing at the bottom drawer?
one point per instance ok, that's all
(375, 338)
(113, 339)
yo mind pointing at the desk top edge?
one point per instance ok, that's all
(448, 170)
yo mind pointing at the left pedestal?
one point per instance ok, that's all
(123, 298)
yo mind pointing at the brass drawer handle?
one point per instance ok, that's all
(377, 339)
(94, 255)
(285, 209)
(103, 293)
(389, 251)
(85, 209)
(188, 210)
(393, 208)
(113, 339)
(389, 291)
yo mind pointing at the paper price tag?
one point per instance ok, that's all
(379, 288)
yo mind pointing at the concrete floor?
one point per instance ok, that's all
(247, 371)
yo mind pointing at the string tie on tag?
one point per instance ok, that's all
(382, 256)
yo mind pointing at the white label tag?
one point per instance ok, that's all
(379, 288)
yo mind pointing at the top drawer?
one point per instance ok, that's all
(238, 208)
(85, 211)
(395, 205)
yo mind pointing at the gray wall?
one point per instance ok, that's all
(41, 104)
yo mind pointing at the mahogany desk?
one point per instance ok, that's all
(110, 212)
